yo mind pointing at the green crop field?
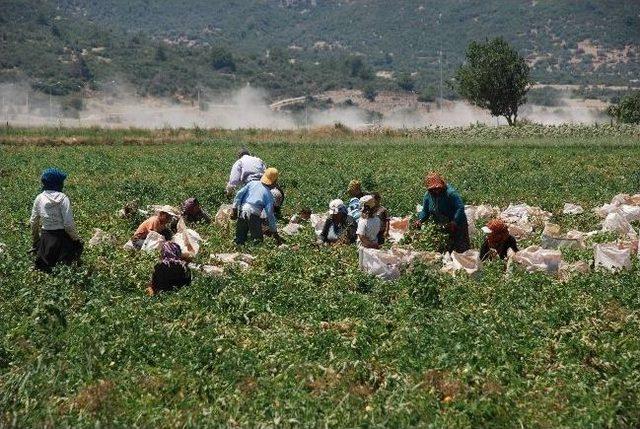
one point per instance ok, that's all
(303, 338)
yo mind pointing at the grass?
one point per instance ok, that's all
(303, 338)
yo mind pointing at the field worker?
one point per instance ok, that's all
(339, 226)
(160, 223)
(498, 241)
(354, 189)
(383, 214)
(369, 224)
(246, 169)
(53, 230)
(443, 204)
(278, 200)
(171, 272)
(248, 205)
(192, 211)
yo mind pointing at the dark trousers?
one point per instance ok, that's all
(244, 226)
(54, 247)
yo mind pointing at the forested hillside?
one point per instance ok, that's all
(301, 47)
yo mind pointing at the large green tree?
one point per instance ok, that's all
(628, 110)
(494, 77)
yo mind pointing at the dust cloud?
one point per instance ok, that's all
(248, 108)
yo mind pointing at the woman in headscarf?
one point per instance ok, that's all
(339, 226)
(171, 272)
(53, 230)
(192, 211)
(498, 241)
(443, 204)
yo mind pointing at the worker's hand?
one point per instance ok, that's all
(417, 224)
(452, 227)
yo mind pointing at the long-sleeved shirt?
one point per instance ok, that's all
(255, 197)
(52, 211)
(447, 207)
(244, 170)
(151, 224)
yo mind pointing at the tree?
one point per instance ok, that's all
(494, 77)
(161, 54)
(406, 82)
(222, 59)
(369, 92)
(628, 110)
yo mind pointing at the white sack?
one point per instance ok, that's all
(398, 227)
(572, 209)
(612, 256)
(317, 221)
(101, 237)
(468, 262)
(153, 242)
(615, 222)
(223, 215)
(291, 228)
(535, 258)
(553, 239)
(389, 264)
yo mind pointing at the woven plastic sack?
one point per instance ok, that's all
(398, 227)
(153, 242)
(188, 240)
(317, 221)
(389, 264)
(223, 215)
(292, 228)
(572, 209)
(615, 222)
(612, 256)
(535, 258)
(553, 239)
(454, 262)
(101, 237)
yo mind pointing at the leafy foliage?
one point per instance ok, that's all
(495, 77)
(628, 110)
(303, 338)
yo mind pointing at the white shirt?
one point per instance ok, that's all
(51, 211)
(244, 170)
(369, 228)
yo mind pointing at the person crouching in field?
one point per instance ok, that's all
(192, 211)
(369, 224)
(171, 272)
(248, 205)
(339, 228)
(383, 214)
(160, 223)
(443, 204)
(53, 230)
(498, 241)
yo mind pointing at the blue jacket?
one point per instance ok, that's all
(259, 197)
(448, 207)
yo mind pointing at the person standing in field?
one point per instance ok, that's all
(498, 241)
(53, 230)
(248, 205)
(369, 224)
(443, 204)
(246, 169)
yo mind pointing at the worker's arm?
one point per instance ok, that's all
(235, 178)
(35, 222)
(459, 217)
(237, 201)
(67, 219)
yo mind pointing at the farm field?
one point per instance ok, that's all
(303, 338)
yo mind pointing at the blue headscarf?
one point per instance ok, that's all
(53, 179)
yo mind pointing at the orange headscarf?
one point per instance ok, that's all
(499, 232)
(435, 181)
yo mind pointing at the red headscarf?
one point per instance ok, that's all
(435, 181)
(499, 232)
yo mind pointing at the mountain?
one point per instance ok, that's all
(298, 47)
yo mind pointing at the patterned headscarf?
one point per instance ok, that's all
(171, 253)
(499, 232)
(191, 206)
(435, 181)
(53, 179)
